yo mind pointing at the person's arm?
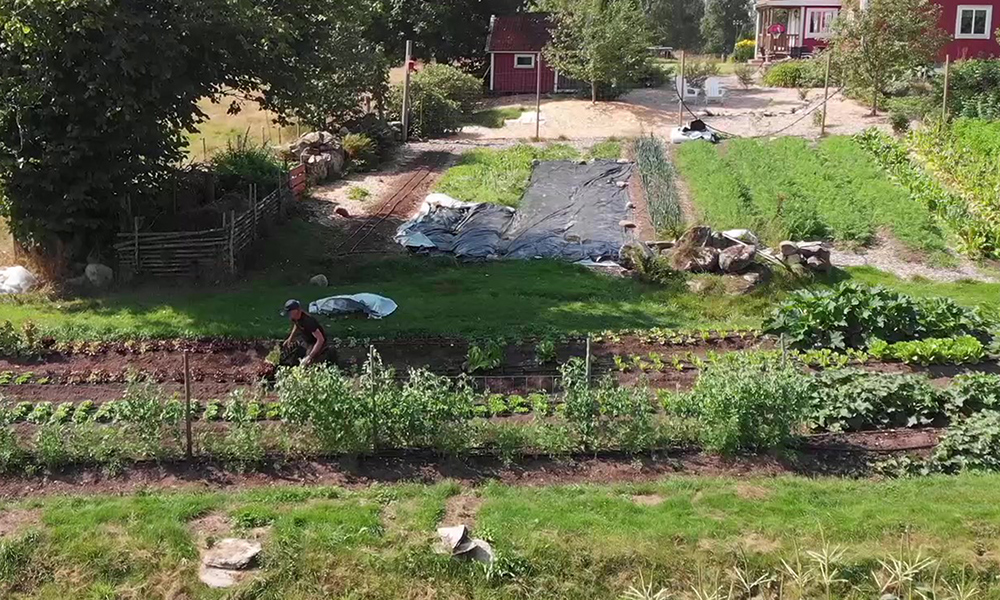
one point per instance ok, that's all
(291, 336)
(317, 347)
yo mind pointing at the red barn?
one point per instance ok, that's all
(515, 47)
(791, 28)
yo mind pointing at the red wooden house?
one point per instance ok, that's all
(792, 28)
(515, 47)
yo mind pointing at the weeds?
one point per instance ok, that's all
(658, 182)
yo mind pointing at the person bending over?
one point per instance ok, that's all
(307, 334)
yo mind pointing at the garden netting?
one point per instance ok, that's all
(570, 210)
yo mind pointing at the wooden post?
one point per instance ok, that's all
(680, 93)
(371, 391)
(947, 82)
(263, 141)
(826, 93)
(588, 360)
(784, 350)
(187, 406)
(232, 242)
(279, 134)
(204, 150)
(406, 90)
(538, 94)
(135, 230)
(253, 198)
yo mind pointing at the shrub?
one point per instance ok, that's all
(790, 74)
(974, 89)
(323, 399)
(854, 400)
(654, 75)
(426, 409)
(243, 162)
(743, 51)
(746, 402)
(850, 315)
(361, 151)
(972, 444)
(442, 99)
(745, 74)
(900, 122)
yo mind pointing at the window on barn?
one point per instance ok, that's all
(819, 22)
(524, 61)
(974, 22)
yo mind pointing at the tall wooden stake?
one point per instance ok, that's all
(204, 150)
(406, 90)
(538, 95)
(826, 93)
(135, 230)
(680, 94)
(588, 360)
(232, 242)
(187, 406)
(371, 390)
(947, 81)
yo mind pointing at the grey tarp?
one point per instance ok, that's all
(570, 210)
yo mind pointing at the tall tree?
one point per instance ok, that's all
(96, 96)
(601, 41)
(448, 31)
(724, 22)
(676, 23)
(880, 43)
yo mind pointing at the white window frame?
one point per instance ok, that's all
(519, 56)
(807, 21)
(987, 33)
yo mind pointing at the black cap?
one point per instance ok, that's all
(290, 306)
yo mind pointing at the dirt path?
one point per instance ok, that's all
(885, 255)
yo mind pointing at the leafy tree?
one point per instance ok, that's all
(601, 41)
(447, 31)
(881, 43)
(675, 22)
(724, 22)
(96, 97)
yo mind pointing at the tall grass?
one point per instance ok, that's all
(498, 176)
(791, 189)
(658, 182)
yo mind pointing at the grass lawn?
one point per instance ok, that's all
(793, 189)
(574, 542)
(222, 127)
(435, 296)
(494, 118)
(725, 68)
(498, 176)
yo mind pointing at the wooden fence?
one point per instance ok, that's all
(209, 252)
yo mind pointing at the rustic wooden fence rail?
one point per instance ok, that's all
(206, 252)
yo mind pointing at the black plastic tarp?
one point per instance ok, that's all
(570, 211)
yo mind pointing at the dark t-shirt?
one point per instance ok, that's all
(308, 326)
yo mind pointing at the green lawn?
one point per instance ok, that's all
(791, 188)
(494, 118)
(569, 541)
(498, 176)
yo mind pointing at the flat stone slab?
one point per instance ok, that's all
(231, 553)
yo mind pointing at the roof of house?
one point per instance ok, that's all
(527, 32)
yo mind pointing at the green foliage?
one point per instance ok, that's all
(442, 97)
(855, 400)
(608, 415)
(974, 88)
(931, 351)
(118, 123)
(699, 70)
(358, 194)
(599, 41)
(609, 149)
(850, 315)
(323, 399)
(874, 55)
(965, 156)
(978, 236)
(13, 457)
(743, 51)
(484, 355)
(671, 23)
(725, 21)
(746, 402)
(244, 162)
(252, 516)
(498, 176)
(790, 188)
(900, 122)
(361, 151)
(659, 185)
(545, 351)
(971, 444)
(804, 73)
(972, 392)
(495, 118)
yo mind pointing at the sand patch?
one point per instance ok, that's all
(14, 521)
(461, 509)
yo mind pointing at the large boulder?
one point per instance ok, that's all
(696, 260)
(319, 280)
(322, 154)
(100, 276)
(737, 259)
